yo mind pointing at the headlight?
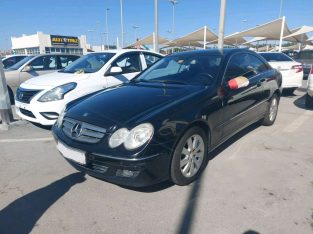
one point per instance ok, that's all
(133, 139)
(118, 137)
(61, 117)
(57, 93)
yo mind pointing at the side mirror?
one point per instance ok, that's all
(115, 71)
(238, 82)
(27, 68)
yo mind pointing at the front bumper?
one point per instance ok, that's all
(41, 113)
(142, 171)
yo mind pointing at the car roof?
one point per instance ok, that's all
(226, 51)
(274, 52)
(121, 51)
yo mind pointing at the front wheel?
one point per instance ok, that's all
(271, 112)
(189, 156)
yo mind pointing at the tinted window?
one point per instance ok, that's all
(43, 63)
(128, 62)
(305, 54)
(8, 62)
(89, 63)
(66, 60)
(21, 63)
(246, 65)
(186, 69)
(151, 58)
(275, 57)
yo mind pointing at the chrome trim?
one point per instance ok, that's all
(88, 133)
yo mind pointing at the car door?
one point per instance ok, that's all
(241, 106)
(130, 64)
(39, 66)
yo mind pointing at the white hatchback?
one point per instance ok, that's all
(41, 99)
(292, 71)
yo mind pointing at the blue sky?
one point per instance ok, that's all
(76, 17)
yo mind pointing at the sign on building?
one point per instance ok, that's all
(64, 40)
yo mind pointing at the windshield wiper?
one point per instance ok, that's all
(167, 81)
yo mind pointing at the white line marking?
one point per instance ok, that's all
(298, 122)
(26, 140)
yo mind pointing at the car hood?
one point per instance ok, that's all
(129, 104)
(53, 79)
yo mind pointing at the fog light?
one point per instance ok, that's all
(126, 173)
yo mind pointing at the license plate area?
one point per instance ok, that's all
(72, 154)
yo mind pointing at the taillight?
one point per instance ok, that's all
(297, 68)
(311, 70)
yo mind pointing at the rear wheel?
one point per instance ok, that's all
(289, 91)
(189, 156)
(271, 112)
(308, 101)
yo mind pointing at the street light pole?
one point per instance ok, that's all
(220, 44)
(107, 27)
(5, 104)
(156, 26)
(135, 27)
(173, 22)
(281, 8)
(122, 26)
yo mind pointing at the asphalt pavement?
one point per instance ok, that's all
(260, 181)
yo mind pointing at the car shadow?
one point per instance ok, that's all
(21, 215)
(152, 188)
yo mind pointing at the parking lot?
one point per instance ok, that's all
(260, 181)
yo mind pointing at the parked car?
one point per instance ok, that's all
(309, 94)
(291, 53)
(163, 123)
(41, 99)
(292, 71)
(305, 57)
(11, 60)
(35, 65)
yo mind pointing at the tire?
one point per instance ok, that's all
(182, 175)
(308, 101)
(11, 95)
(289, 91)
(271, 111)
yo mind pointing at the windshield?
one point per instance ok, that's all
(89, 63)
(275, 57)
(183, 69)
(20, 63)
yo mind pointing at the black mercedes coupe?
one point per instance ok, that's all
(163, 123)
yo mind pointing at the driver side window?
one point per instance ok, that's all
(43, 63)
(245, 65)
(129, 63)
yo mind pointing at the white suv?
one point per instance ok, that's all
(41, 99)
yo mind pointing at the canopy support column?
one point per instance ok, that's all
(281, 34)
(221, 25)
(204, 38)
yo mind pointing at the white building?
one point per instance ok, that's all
(45, 43)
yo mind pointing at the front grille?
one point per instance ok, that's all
(25, 95)
(27, 113)
(81, 131)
